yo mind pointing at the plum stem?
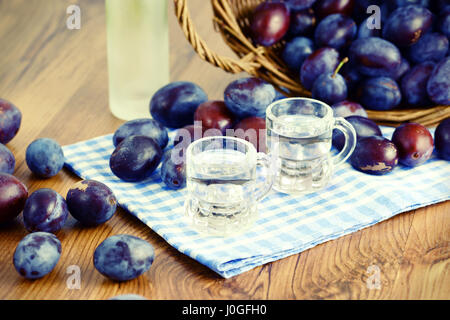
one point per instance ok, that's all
(344, 61)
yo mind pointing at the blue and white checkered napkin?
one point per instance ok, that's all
(286, 225)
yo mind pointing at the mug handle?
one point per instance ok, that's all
(350, 140)
(265, 178)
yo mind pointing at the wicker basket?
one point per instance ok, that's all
(231, 18)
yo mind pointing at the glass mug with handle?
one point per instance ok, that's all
(299, 133)
(226, 178)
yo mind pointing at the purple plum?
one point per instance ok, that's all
(442, 139)
(336, 31)
(37, 254)
(173, 170)
(348, 108)
(13, 195)
(438, 86)
(364, 127)
(430, 47)
(374, 56)
(414, 144)
(374, 155)
(414, 85)
(323, 60)
(142, 127)
(380, 93)
(406, 25)
(248, 97)
(123, 257)
(44, 157)
(45, 210)
(174, 104)
(135, 158)
(10, 120)
(269, 22)
(7, 160)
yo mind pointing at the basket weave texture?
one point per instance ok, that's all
(232, 20)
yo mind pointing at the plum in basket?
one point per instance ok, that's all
(37, 254)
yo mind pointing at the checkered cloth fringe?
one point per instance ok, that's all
(286, 225)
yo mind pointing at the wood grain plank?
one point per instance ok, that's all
(425, 266)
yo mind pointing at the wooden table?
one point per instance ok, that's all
(58, 78)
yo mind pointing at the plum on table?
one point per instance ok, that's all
(442, 139)
(444, 23)
(123, 257)
(188, 134)
(37, 254)
(394, 4)
(44, 157)
(45, 210)
(352, 77)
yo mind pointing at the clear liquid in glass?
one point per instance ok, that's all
(221, 189)
(301, 149)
